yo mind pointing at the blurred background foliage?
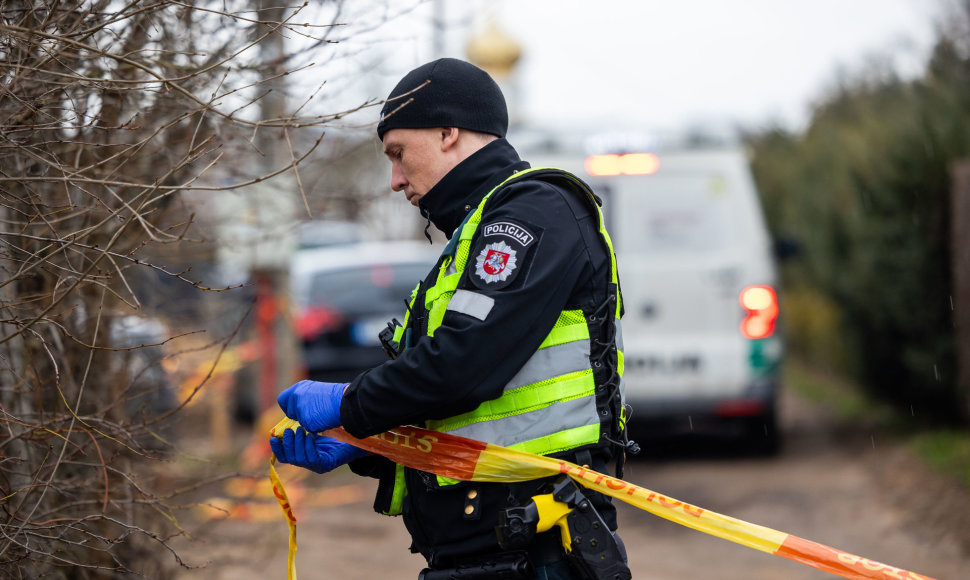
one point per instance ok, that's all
(862, 199)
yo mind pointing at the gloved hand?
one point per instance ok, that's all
(314, 405)
(317, 453)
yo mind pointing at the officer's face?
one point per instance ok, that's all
(419, 159)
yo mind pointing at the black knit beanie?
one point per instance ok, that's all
(446, 93)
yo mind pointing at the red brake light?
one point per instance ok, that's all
(740, 408)
(626, 164)
(761, 304)
(314, 321)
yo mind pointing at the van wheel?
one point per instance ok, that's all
(763, 437)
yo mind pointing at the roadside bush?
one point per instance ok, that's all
(866, 192)
(110, 113)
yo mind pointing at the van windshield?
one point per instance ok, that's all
(674, 214)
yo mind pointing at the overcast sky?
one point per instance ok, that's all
(670, 64)
(684, 61)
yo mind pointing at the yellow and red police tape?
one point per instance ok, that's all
(470, 460)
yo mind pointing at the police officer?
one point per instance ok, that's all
(513, 337)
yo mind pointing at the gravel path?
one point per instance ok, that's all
(848, 490)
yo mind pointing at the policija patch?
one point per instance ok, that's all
(502, 248)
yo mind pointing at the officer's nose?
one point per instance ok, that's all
(398, 181)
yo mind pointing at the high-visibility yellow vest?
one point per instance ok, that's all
(549, 406)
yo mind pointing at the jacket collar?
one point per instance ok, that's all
(462, 188)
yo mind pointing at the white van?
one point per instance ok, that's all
(702, 351)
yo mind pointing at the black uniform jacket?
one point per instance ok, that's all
(559, 263)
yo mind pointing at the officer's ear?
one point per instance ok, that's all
(449, 138)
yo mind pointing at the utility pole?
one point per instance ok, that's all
(437, 29)
(273, 209)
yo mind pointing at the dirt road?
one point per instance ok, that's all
(841, 487)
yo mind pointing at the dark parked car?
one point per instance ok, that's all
(141, 372)
(346, 296)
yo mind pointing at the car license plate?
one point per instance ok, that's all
(365, 332)
(666, 365)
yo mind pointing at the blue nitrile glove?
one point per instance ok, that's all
(317, 453)
(314, 405)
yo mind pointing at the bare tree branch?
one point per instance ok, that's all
(110, 114)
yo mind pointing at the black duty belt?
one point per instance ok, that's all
(545, 549)
(501, 566)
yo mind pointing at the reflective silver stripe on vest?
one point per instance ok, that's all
(471, 303)
(534, 424)
(550, 362)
